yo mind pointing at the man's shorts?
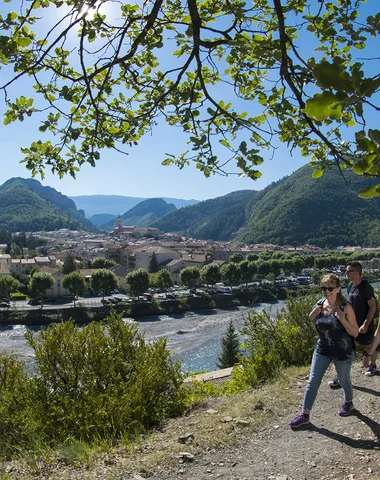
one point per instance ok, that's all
(365, 338)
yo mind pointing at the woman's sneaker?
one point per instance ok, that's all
(299, 420)
(334, 383)
(370, 372)
(346, 409)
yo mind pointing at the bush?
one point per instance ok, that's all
(273, 343)
(100, 382)
(97, 382)
(18, 425)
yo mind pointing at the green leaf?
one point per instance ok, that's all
(323, 106)
(370, 192)
(374, 135)
(332, 75)
(317, 173)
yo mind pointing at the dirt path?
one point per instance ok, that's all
(331, 447)
(245, 437)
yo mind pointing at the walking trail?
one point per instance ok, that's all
(331, 447)
(246, 437)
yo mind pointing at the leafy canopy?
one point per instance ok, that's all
(107, 72)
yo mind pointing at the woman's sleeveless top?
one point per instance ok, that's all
(334, 341)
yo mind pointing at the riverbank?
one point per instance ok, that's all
(139, 309)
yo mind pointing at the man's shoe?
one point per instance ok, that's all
(334, 383)
(370, 372)
(346, 409)
(299, 420)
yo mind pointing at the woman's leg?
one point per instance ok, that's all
(319, 366)
(343, 369)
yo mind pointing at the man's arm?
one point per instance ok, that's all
(370, 315)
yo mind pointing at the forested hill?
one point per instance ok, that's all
(26, 205)
(325, 211)
(217, 219)
(143, 214)
(297, 209)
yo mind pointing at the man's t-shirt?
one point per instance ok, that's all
(358, 296)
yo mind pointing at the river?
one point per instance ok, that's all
(193, 337)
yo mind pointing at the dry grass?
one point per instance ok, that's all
(207, 421)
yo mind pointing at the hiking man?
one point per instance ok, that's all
(362, 298)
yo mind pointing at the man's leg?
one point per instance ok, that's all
(366, 339)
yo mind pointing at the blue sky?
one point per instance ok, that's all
(141, 173)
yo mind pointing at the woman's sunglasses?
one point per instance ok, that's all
(330, 289)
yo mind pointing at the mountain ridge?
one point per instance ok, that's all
(289, 211)
(117, 204)
(143, 214)
(26, 205)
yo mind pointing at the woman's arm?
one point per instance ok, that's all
(348, 320)
(315, 312)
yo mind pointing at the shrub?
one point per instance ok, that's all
(88, 384)
(18, 425)
(100, 382)
(272, 343)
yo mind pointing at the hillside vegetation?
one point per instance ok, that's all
(295, 210)
(143, 214)
(217, 219)
(325, 211)
(26, 205)
(102, 218)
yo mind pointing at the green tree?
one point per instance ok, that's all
(138, 281)
(230, 348)
(153, 264)
(69, 265)
(210, 274)
(75, 284)
(163, 279)
(103, 281)
(230, 273)
(189, 276)
(245, 271)
(236, 258)
(8, 285)
(16, 251)
(100, 262)
(307, 90)
(39, 283)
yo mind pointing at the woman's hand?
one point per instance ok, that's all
(315, 312)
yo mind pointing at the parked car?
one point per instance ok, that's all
(4, 304)
(34, 302)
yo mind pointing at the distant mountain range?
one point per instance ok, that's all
(117, 204)
(143, 214)
(295, 210)
(26, 205)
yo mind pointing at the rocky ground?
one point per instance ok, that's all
(245, 438)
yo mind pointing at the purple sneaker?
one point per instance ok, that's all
(370, 372)
(346, 409)
(299, 420)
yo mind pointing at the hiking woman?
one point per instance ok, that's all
(336, 325)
